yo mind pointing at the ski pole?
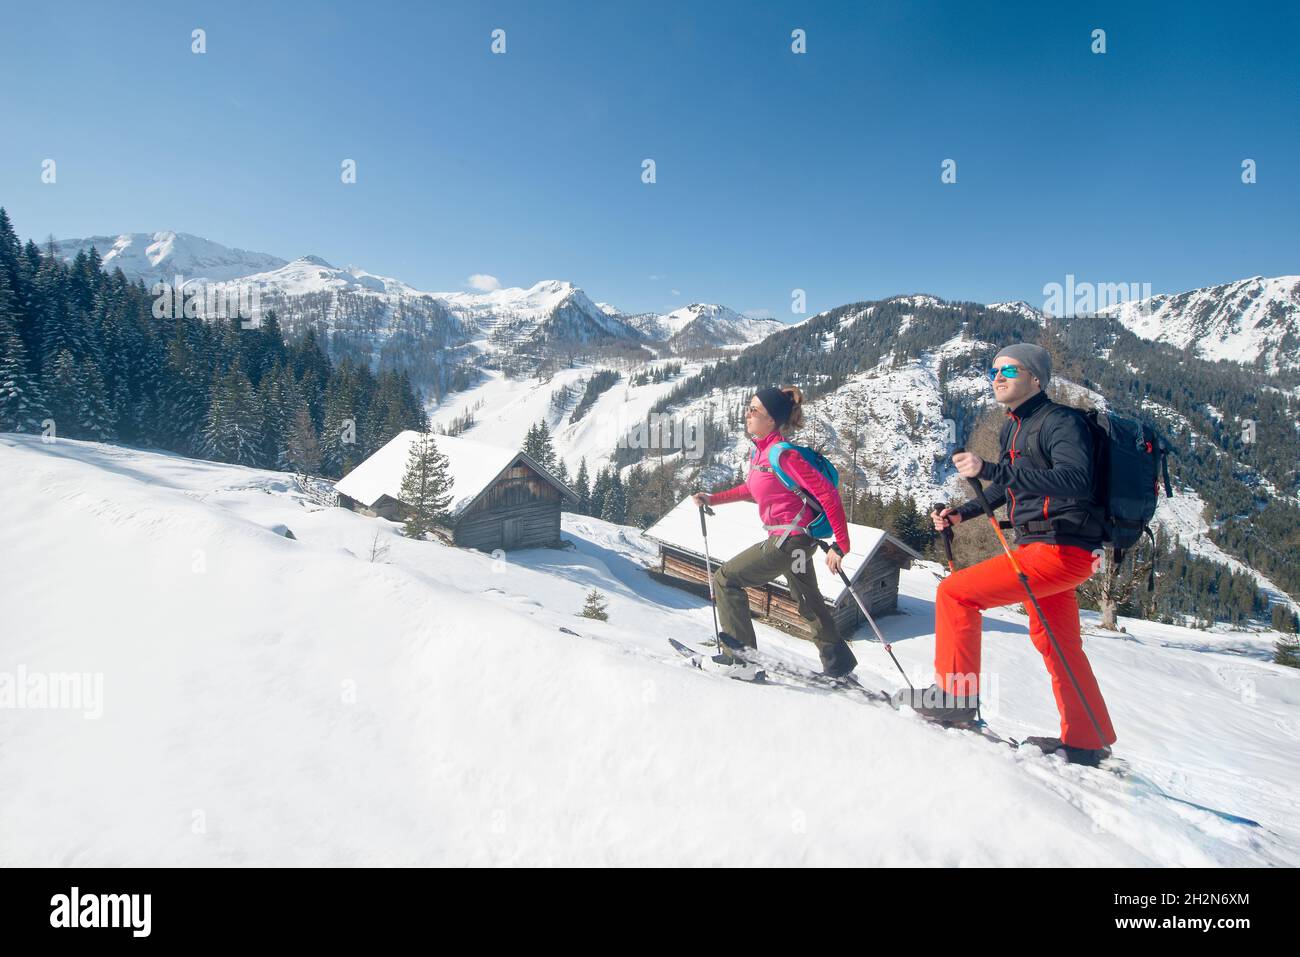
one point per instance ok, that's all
(708, 573)
(946, 536)
(1024, 580)
(871, 621)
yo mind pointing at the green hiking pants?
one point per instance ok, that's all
(763, 563)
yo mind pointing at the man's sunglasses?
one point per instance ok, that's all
(1008, 372)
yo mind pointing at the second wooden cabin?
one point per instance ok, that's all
(872, 567)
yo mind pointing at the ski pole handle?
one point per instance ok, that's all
(704, 529)
(978, 489)
(945, 535)
(826, 547)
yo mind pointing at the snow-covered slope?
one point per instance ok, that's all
(162, 256)
(506, 408)
(1244, 321)
(272, 701)
(1183, 516)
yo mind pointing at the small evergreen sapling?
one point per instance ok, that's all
(596, 606)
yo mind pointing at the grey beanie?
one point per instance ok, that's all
(1032, 357)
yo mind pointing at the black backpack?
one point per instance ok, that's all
(1129, 462)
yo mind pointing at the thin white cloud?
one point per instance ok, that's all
(483, 282)
(676, 292)
(760, 313)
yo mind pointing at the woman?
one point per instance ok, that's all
(789, 549)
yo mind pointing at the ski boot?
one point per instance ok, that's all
(1089, 757)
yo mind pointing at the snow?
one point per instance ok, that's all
(535, 302)
(311, 274)
(164, 255)
(505, 409)
(1239, 321)
(707, 324)
(472, 466)
(1183, 515)
(1019, 308)
(736, 526)
(277, 702)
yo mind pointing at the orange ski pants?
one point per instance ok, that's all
(1054, 572)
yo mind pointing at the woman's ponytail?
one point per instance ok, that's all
(795, 394)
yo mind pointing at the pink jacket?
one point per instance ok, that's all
(777, 505)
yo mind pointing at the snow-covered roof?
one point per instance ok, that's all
(735, 527)
(473, 467)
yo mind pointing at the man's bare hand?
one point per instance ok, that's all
(833, 561)
(700, 499)
(945, 519)
(968, 464)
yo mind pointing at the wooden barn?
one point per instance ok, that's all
(872, 566)
(501, 498)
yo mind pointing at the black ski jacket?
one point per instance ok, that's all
(1044, 476)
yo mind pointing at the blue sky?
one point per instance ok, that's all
(775, 171)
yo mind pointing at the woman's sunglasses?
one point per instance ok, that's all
(1008, 372)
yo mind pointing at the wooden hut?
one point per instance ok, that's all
(501, 498)
(872, 566)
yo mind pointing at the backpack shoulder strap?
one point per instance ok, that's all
(774, 459)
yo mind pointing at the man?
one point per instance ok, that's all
(1045, 476)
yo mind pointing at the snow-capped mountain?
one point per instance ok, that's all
(705, 326)
(311, 274)
(369, 318)
(550, 311)
(699, 326)
(162, 256)
(359, 312)
(1019, 308)
(1248, 321)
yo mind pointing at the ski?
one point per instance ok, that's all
(801, 676)
(981, 728)
(738, 671)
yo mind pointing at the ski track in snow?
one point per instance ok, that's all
(268, 701)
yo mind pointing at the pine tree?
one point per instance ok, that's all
(582, 486)
(537, 445)
(232, 432)
(183, 399)
(66, 390)
(426, 487)
(595, 606)
(338, 435)
(614, 508)
(22, 402)
(304, 446)
(908, 525)
(598, 492)
(276, 404)
(97, 422)
(1286, 651)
